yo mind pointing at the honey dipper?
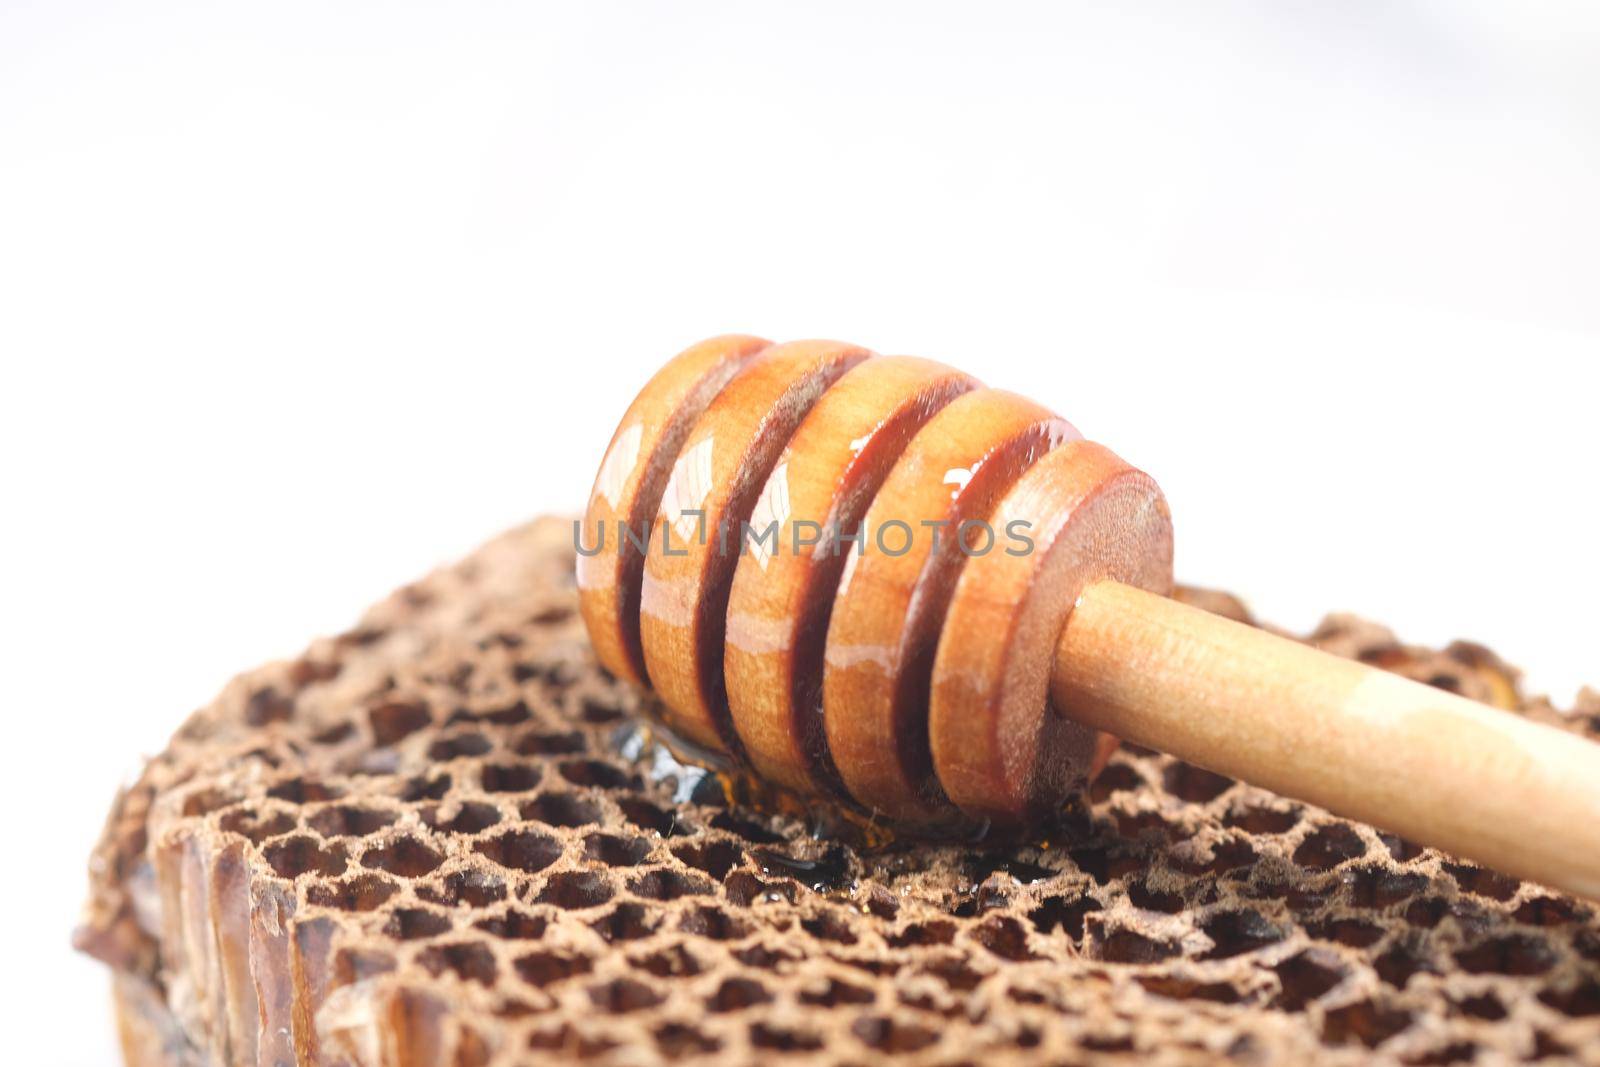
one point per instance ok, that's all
(873, 578)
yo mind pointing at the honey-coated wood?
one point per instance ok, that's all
(937, 671)
(784, 588)
(627, 492)
(998, 749)
(721, 467)
(892, 598)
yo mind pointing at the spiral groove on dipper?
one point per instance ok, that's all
(849, 571)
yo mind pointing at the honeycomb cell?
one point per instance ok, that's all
(469, 888)
(470, 961)
(614, 850)
(364, 892)
(716, 858)
(598, 774)
(459, 746)
(291, 857)
(393, 722)
(258, 826)
(561, 809)
(887, 1035)
(346, 820)
(469, 818)
(405, 856)
(305, 791)
(549, 743)
(737, 994)
(521, 850)
(514, 925)
(1329, 846)
(674, 961)
(834, 993)
(575, 890)
(509, 777)
(548, 968)
(714, 924)
(667, 884)
(415, 924)
(628, 921)
(623, 995)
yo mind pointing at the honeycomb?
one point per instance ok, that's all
(443, 838)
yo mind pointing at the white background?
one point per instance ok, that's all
(300, 300)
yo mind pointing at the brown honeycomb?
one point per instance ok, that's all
(439, 838)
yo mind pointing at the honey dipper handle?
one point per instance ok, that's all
(1431, 766)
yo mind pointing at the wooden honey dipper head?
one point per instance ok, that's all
(875, 578)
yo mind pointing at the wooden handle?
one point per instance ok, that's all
(1436, 768)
